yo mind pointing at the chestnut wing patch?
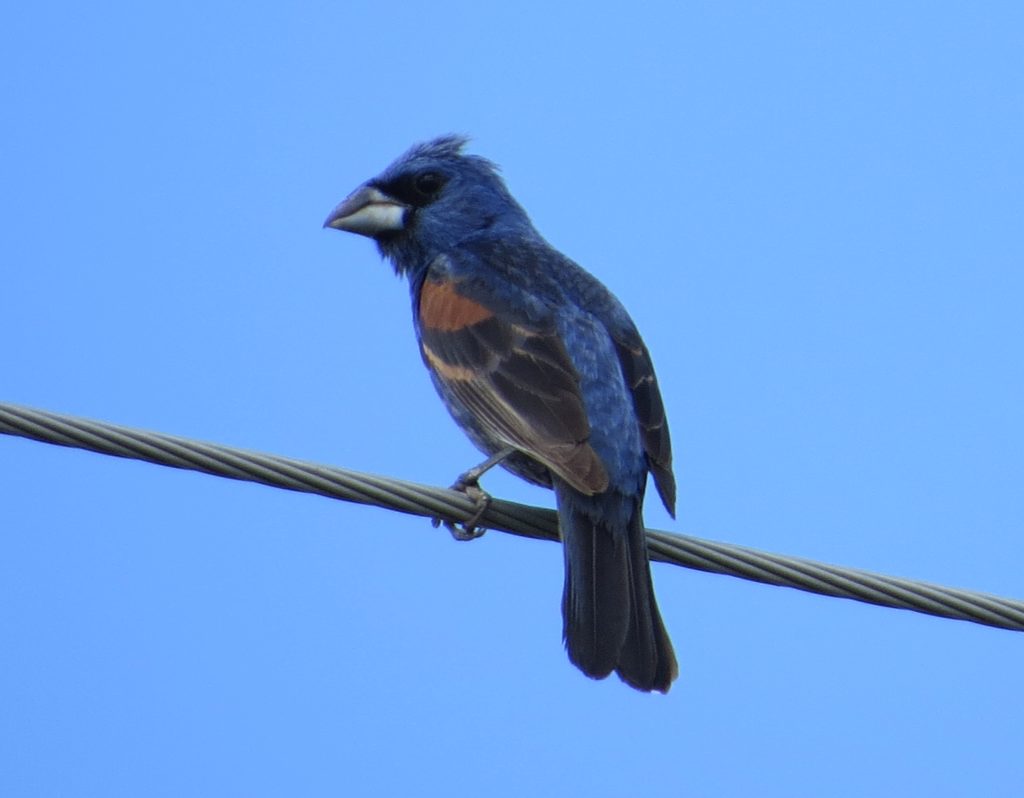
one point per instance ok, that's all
(517, 381)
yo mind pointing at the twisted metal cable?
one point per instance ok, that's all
(518, 519)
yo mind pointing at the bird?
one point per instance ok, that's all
(545, 371)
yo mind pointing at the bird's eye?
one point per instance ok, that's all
(428, 183)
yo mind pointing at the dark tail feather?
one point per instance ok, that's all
(647, 661)
(596, 599)
(611, 619)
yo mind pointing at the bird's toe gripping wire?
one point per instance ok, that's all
(468, 483)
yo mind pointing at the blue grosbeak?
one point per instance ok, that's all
(544, 370)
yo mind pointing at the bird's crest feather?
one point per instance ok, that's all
(443, 148)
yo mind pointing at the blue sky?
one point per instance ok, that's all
(813, 212)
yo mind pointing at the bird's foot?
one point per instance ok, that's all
(469, 529)
(469, 484)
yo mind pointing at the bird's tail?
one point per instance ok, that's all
(611, 619)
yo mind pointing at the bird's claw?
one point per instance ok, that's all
(468, 529)
(468, 483)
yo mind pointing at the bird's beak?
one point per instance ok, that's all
(368, 211)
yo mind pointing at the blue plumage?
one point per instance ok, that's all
(531, 353)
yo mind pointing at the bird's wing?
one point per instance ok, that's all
(638, 372)
(514, 376)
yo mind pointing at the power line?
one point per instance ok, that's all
(518, 519)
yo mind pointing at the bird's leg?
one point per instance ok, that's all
(472, 476)
(468, 483)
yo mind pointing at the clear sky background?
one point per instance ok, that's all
(813, 212)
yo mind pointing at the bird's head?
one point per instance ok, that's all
(427, 201)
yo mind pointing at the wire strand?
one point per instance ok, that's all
(517, 519)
